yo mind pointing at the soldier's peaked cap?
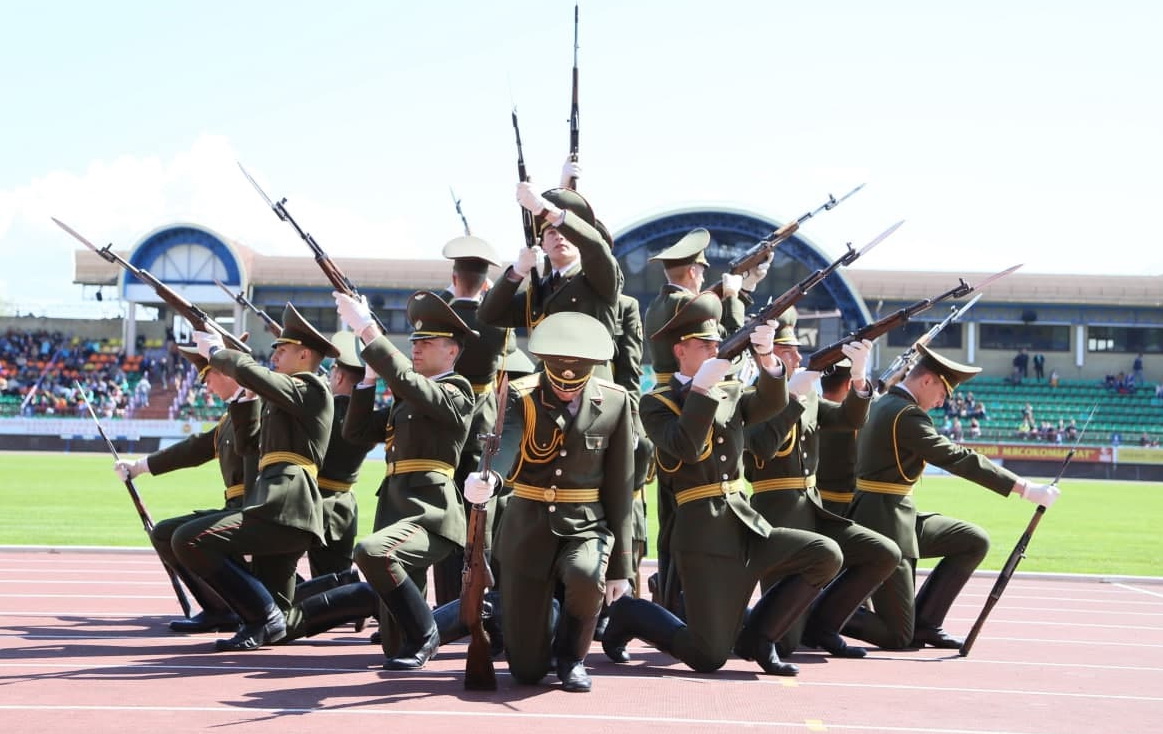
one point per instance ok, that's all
(569, 200)
(951, 373)
(432, 317)
(200, 363)
(347, 344)
(573, 336)
(471, 253)
(296, 330)
(688, 250)
(785, 333)
(698, 318)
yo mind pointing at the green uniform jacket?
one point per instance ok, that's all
(627, 366)
(428, 420)
(341, 466)
(663, 308)
(788, 446)
(893, 447)
(296, 419)
(591, 286)
(593, 450)
(699, 440)
(238, 470)
(836, 474)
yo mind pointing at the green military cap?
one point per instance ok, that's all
(518, 363)
(841, 370)
(570, 344)
(951, 373)
(432, 317)
(569, 200)
(698, 318)
(348, 347)
(296, 330)
(687, 251)
(470, 253)
(785, 333)
(200, 363)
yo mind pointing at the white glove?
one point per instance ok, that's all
(711, 373)
(858, 352)
(527, 259)
(1040, 494)
(529, 199)
(127, 470)
(571, 170)
(616, 589)
(354, 311)
(763, 339)
(206, 341)
(752, 277)
(731, 284)
(802, 382)
(478, 488)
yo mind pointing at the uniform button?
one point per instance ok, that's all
(723, 457)
(409, 416)
(563, 452)
(720, 440)
(553, 486)
(807, 472)
(724, 476)
(557, 472)
(552, 508)
(573, 300)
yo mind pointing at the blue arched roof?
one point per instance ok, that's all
(158, 243)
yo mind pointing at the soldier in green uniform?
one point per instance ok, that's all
(285, 515)
(419, 517)
(238, 471)
(584, 274)
(720, 545)
(685, 265)
(836, 472)
(781, 462)
(481, 360)
(627, 368)
(569, 517)
(892, 450)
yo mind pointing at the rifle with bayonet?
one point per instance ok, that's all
(339, 281)
(479, 674)
(833, 353)
(198, 318)
(460, 212)
(527, 223)
(574, 121)
(904, 361)
(761, 251)
(1019, 551)
(146, 520)
(273, 327)
(43, 373)
(738, 342)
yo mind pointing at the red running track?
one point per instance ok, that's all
(84, 647)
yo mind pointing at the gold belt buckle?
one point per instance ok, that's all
(548, 495)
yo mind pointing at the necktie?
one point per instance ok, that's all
(554, 281)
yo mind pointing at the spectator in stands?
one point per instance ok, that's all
(1159, 390)
(1116, 438)
(958, 433)
(1022, 364)
(970, 406)
(1071, 431)
(1024, 428)
(1137, 369)
(1053, 378)
(1039, 366)
(947, 427)
(974, 428)
(1028, 415)
(978, 410)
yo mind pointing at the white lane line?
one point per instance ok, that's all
(1100, 643)
(1087, 625)
(1149, 592)
(1062, 610)
(83, 582)
(85, 596)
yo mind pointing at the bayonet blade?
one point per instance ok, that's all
(832, 201)
(76, 235)
(880, 238)
(258, 188)
(992, 278)
(968, 305)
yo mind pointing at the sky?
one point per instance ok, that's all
(1000, 132)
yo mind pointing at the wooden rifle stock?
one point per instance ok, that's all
(479, 674)
(138, 504)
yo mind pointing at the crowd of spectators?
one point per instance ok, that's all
(39, 370)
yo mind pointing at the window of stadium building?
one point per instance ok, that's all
(907, 335)
(1123, 339)
(1042, 337)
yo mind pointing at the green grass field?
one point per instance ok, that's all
(75, 499)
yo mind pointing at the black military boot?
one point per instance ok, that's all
(417, 627)
(603, 620)
(216, 615)
(570, 645)
(773, 614)
(831, 612)
(650, 622)
(262, 620)
(329, 609)
(324, 582)
(933, 601)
